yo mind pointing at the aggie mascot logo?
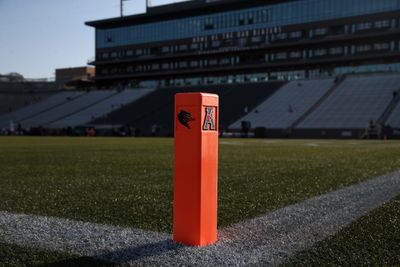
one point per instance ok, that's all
(184, 118)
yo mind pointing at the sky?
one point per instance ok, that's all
(38, 36)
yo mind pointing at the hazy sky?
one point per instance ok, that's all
(38, 36)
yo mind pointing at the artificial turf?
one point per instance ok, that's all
(15, 256)
(128, 182)
(373, 240)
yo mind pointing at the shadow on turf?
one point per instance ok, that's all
(78, 262)
(140, 252)
(120, 256)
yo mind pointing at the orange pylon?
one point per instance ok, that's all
(195, 169)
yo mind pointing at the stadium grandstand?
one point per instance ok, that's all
(309, 68)
(15, 95)
(233, 41)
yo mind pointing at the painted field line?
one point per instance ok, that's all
(270, 239)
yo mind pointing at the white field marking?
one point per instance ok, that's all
(231, 143)
(270, 142)
(270, 239)
(312, 144)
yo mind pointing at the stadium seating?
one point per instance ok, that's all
(394, 119)
(39, 107)
(156, 108)
(67, 108)
(357, 101)
(100, 109)
(284, 107)
(17, 95)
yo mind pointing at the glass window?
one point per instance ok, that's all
(382, 24)
(281, 55)
(320, 52)
(363, 48)
(270, 16)
(363, 26)
(381, 46)
(295, 54)
(336, 50)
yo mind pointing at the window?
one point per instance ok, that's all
(194, 46)
(216, 44)
(183, 47)
(139, 52)
(105, 55)
(364, 26)
(320, 52)
(296, 35)
(194, 64)
(320, 31)
(213, 62)
(281, 55)
(295, 54)
(363, 48)
(336, 50)
(109, 38)
(224, 61)
(256, 39)
(282, 36)
(381, 46)
(382, 24)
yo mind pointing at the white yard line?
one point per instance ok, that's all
(270, 239)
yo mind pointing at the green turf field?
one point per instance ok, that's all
(128, 182)
(374, 240)
(15, 256)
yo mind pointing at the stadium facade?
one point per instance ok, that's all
(232, 41)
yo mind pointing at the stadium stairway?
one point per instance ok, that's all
(338, 80)
(155, 110)
(387, 115)
(360, 103)
(358, 100)
(287, 105)
(393, 120)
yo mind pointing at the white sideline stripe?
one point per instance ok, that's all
(270, 239)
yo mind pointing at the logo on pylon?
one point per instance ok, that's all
(184, 118)
(209, 120)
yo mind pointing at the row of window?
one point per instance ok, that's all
(269, 16)
(256, 58)
(248, 38)
(275, 75)
(333, 51)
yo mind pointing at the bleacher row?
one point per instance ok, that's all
(71, 108)
(14, 95)
(350, 102)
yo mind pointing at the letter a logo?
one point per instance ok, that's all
(209, 121)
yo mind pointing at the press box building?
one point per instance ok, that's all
(232, 41)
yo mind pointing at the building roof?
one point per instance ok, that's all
(180, 10)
